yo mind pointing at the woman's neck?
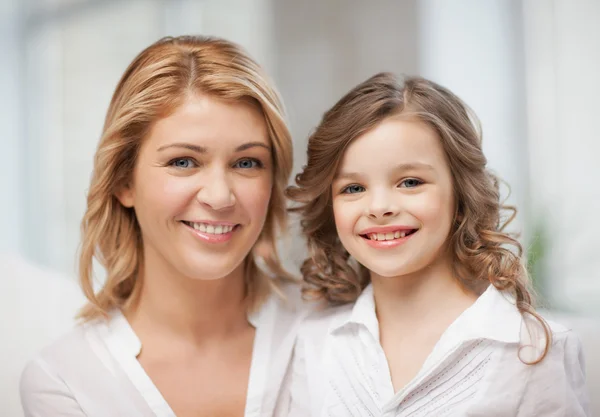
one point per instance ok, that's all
(181, 307)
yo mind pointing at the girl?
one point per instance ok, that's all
(186, 194)
(432, 310)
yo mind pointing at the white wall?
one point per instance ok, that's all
(11, 219)
(325, 48)
(563, 63)
(73, 62)
(562, 45)
(473, 47)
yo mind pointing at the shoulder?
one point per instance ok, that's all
(44, 384)
(562, 370)
(288, 296)
(77, 374)
(310, 371)
(554, 385)
(42, 391)
(534, 335)
(289, 302)
(69, 351)
(558, 382)
(322, 319)
(280, 317)
(566, 343)
(64, 347)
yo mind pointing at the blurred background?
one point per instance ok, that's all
(528, 68)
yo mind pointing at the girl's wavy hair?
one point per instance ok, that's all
(480, 248)
(158, 81)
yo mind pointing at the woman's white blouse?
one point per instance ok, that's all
(340, 369)
(94, 371)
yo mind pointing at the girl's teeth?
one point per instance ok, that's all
(387, 236)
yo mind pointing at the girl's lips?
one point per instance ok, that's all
(391, 243)
(387, 229)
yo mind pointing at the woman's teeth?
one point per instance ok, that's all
(388, 236)
(215, 229)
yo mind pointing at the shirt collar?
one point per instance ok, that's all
(125, 346)
(121, 337)
(362, 313)
(256, 317)
(493, 316)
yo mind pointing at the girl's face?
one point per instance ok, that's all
(393, 198)
(201, 187)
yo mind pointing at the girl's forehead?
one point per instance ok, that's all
(396, 140)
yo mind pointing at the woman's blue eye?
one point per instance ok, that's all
(410, 183)
(248, 164)
(353, 189)
(182, 163)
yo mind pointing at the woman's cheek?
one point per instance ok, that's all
(256, 195)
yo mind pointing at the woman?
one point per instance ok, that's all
(186, 193)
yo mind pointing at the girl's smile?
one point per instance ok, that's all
(383, 237)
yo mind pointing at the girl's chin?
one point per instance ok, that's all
(379, 271)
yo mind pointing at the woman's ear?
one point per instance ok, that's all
(126, 195)
(261, 248)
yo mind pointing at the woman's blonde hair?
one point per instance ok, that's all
(479, 246)
(157, 81)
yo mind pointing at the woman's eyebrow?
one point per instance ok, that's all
(202, 149)
(189, 146)
(252, 145)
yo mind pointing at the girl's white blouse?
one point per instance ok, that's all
(94, 371)
(340, 369)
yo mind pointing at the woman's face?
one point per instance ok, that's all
(201, 187)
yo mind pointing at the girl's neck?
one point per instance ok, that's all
(413, 300)
(186, 308)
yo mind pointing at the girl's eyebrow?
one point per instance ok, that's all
(414, 166)
(411, 166)
(347, 176)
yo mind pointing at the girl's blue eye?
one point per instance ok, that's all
(410, 183)
(248, 163)
(353, 189)
(182, 163)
